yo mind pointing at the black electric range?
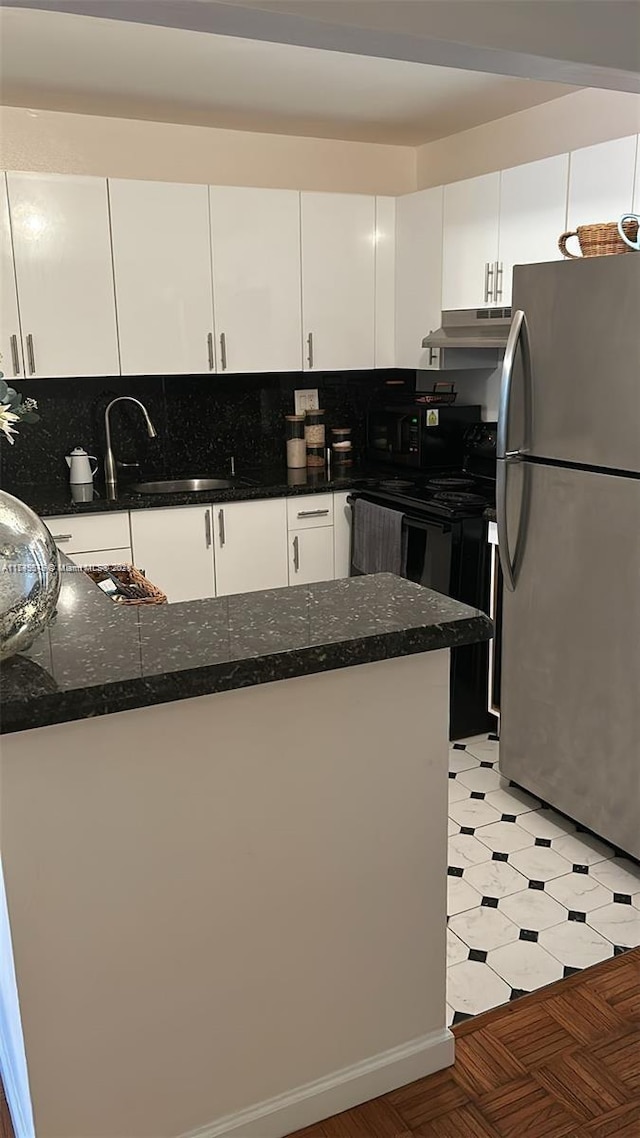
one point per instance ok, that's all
(447, 550)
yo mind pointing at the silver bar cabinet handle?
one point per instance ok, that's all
(221, 533)
(489, 281)
(499, 271)
(505, 456)
(31, 355)
(223, 351)
(15, 358)
(207, 529)
(61, 536)
(210, 350)
(310, 349)
(296, 553)
(312, 513)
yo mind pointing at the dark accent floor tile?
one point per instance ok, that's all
(516, 993)
(544, 842)
(495, 738)
(581, 869)
(528, 934)
(622, 898)
(508, 818)
(576, 916)
(460, 1017)
(499, 856)
(454, 871)
(618, 949)
(490, 902)
(459, 746)
(477, 794)
(485, 764)
(478, 954)
(467, 829)
(569, 971)
(452, 774)
(536, 885)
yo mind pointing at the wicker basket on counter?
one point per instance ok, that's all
(129, 575)
(599, 240)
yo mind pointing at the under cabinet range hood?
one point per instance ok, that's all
(469, 338)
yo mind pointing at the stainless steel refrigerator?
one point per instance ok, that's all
(568, 499)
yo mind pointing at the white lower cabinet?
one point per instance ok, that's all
(341, 535)
(311, 555)
(174, 548)
(250, 546)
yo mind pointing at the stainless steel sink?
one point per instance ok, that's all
(183, 486)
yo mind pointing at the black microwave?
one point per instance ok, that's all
(419, 436)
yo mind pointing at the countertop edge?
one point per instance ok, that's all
(170, 687)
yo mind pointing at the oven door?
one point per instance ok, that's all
(429, 548)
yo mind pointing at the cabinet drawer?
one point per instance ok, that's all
(87, 534)
(102, 557)
(309, 511)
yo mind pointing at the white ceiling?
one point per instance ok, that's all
(66, 62)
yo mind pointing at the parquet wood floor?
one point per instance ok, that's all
(563, 1062)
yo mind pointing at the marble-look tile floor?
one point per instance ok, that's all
(532, 896)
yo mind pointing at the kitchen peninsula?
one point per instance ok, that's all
(224, 854)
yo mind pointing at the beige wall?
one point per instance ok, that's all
(128, 148)
(213, 905)
(580, 119)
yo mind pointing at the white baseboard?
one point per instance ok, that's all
(279, 1116)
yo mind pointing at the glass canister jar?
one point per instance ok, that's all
(314, 429)
(341, 446)
(316, 457)
(296, 444)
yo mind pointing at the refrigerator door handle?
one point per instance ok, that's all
(504, 455)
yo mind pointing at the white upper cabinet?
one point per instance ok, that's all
(11, 362)
(385, 300)
(64, 272)
(250, 546)
(255, 237)
(418, 274)
(338, 281)
(533, 210)
(162, 265)
(601, 182)
(174, 548)
(470, 246)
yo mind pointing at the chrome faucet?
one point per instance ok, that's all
(110, 476)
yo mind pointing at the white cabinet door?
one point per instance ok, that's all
(64, 272)
(341, 535)
(470, 244)
(174, 548)
(162, 266)
(11, 361)
(636, 194)
(255, 237)
(418, 274)
(338, 281)
(311, 555)
(601, 182)
(533, 212)
(251, 546)
(385, 295)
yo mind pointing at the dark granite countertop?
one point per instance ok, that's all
(97, 657)
(261, 482)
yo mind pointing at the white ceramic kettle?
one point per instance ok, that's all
(80, 471)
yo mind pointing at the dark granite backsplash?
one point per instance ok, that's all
(201, 420)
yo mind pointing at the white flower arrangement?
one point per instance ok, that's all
(13, 409)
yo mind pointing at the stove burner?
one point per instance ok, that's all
(452, 482)
(454, 499)
(396, 484)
